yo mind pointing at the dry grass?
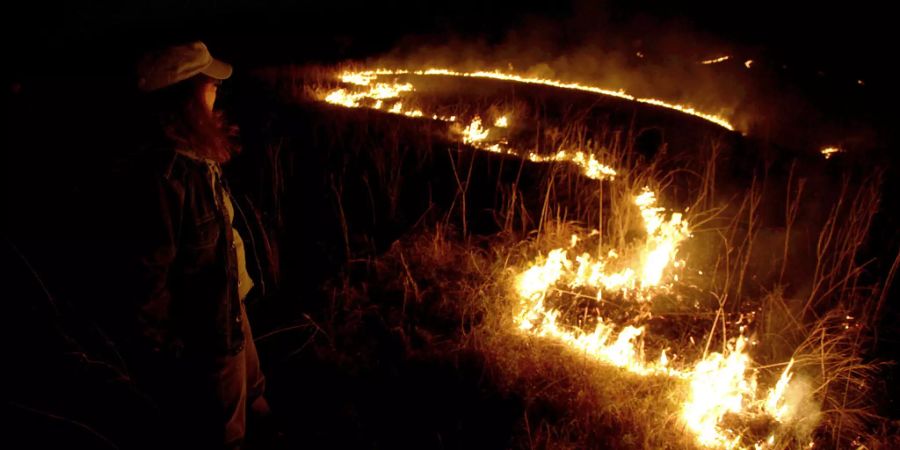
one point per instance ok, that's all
(452, 288)
(442, 289)
(571, 402)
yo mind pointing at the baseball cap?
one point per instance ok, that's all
(166, 67)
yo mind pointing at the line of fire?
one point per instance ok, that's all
(591, 225)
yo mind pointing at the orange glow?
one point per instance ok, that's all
(719, 385)
(590, 167)
(775, 403)
(366, 78)
(828, 152)
(474, 132)
(715, 385)
(716, 60)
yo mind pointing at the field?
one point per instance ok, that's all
(405, 317)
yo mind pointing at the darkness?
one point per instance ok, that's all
(814, 52)
(850, 40)
(67, 76)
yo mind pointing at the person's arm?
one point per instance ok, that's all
(156, 217)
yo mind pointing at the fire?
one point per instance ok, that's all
(716, 60)
(828, 152)
(474, 132)
(718, 385)
(597, 274)
(343, 98)
(377, 92)
(357, 78)
(688, 110)
(368, 77)
(748, 63)
(663, 237)
(591, 167)
(775, 404)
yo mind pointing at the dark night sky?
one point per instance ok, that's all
(838, 37)
(827, 47)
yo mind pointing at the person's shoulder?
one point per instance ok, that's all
(160, 159)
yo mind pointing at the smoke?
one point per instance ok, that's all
(805, 410)
(646, 57)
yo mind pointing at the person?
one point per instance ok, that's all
(190, 260)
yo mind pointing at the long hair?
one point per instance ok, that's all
(178, 114)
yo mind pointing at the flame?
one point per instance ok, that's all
(663, 237)
(716, 60)
(357, 78)
(775, 404)
(828, 152)
(367, 77)
(343, 98)
(376, 92)
(659, 248)
(717, 385)
(688, 110)
(748, 63)
(591, 167)
(474, 132)
(619, 348)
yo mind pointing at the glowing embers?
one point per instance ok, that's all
(368, 77)
(715, 60)
(828, 152)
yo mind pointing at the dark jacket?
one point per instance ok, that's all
(179, 265)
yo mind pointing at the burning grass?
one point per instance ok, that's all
(623, 320)
(634, 346)
(552, 286)
(451, 297)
